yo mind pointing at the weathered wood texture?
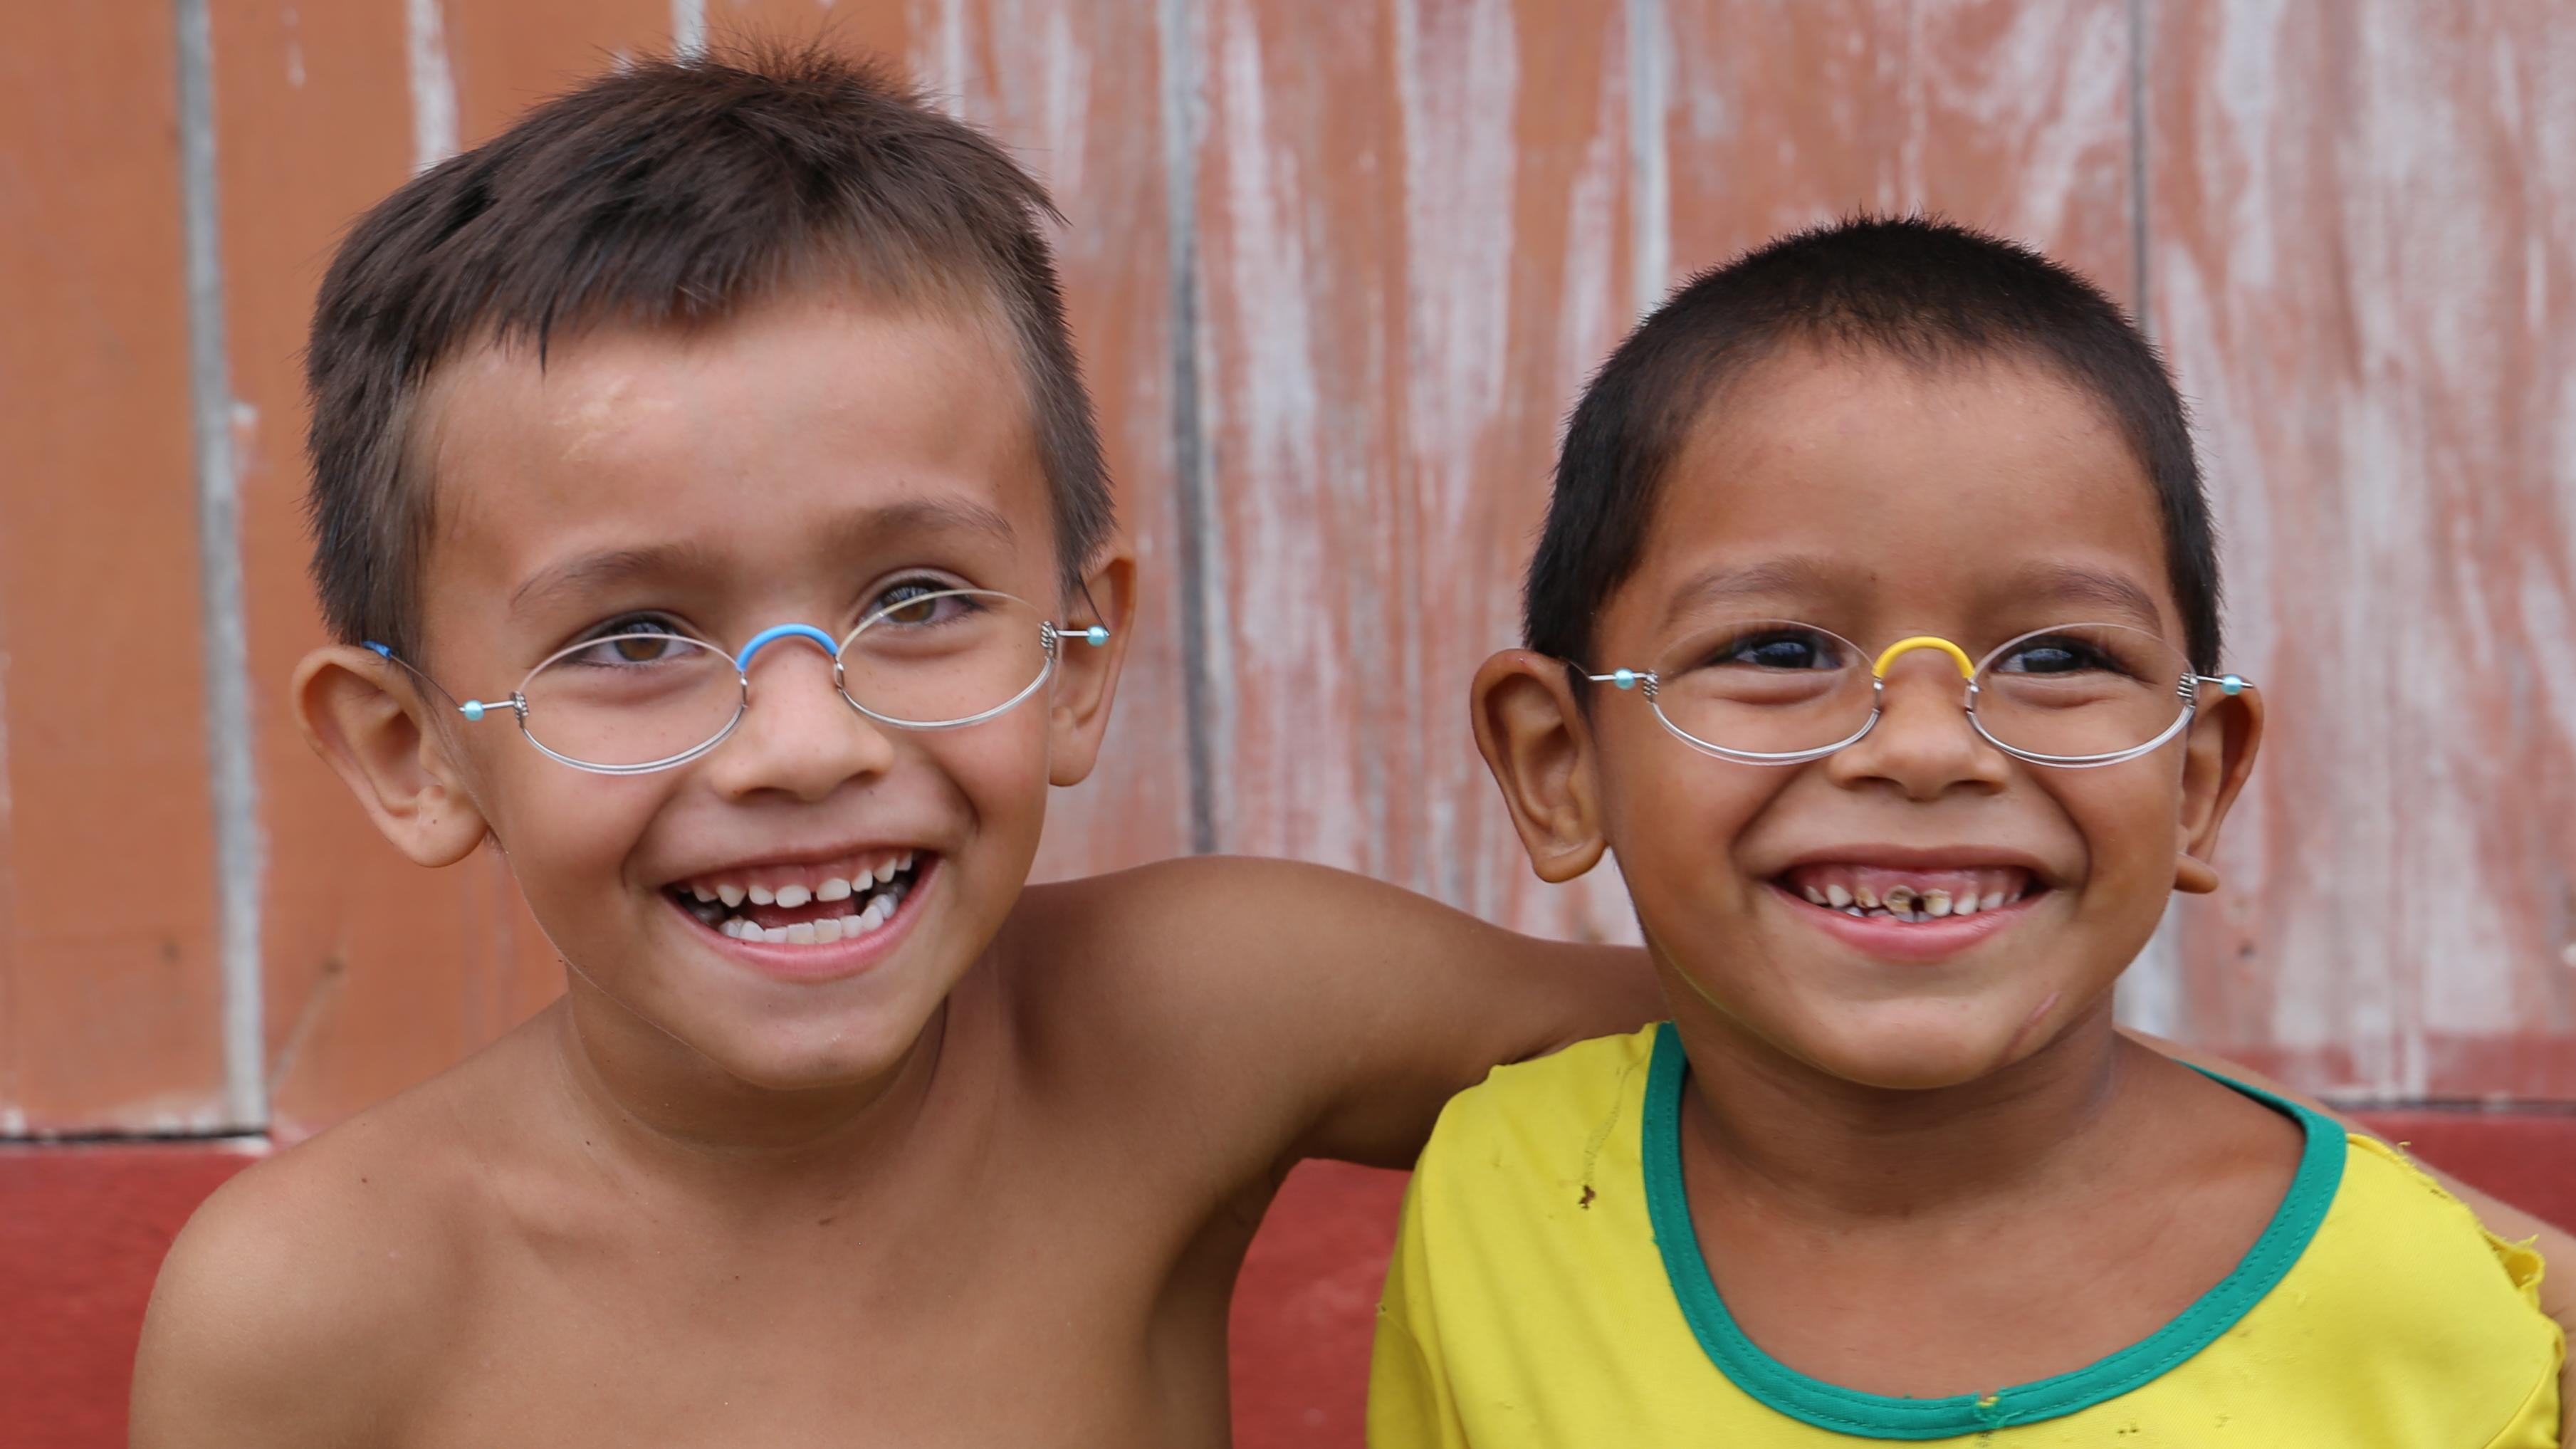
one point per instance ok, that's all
(2363, 262)
(110, 986)
(1414, 226)
(1338, 271)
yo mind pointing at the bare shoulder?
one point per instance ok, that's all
(1331, 1011)
(292, 1304)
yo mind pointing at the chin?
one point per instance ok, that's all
(1913, 1055)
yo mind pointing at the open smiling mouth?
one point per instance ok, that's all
(1911, 896)
(805, 905)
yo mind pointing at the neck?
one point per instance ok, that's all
(1836, 1150)
(642, 1098)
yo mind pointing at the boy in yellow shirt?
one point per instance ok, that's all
(1875, 631)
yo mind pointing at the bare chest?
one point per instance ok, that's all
(994, 1324)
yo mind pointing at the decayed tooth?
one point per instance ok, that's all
(775, 935)
(1814, 896)
(793, 896)
(835, 889)
(1994, 901)
(1865, 898)
(801, 933)
(731, 895)
(828, 929)
(1837, 897)
(1900, 899)
(1936, 903)
(760, 896)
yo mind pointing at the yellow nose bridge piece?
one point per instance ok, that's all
(1888, 656)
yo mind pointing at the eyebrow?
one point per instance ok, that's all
(912, 518)
(1771, 579)
(2074, 584)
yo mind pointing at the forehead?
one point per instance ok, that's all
(748, 437)
(1904, 496)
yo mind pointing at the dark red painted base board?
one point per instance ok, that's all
(83, 1229)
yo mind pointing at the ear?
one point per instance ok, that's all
(2218, 757)
(365, 715)
(1086, 681)
(1534, 738)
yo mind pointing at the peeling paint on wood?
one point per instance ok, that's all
(2364, 235)
(1337, 272)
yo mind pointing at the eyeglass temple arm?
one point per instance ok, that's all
(472, 709)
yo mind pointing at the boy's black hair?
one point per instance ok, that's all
(1918, 289)
(669, 192)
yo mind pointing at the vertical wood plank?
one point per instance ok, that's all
(1413, 221)
(2012, 115)
(2363, 262)
(110, 982)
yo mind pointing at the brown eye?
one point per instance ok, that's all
(916, 602)
(642, 648)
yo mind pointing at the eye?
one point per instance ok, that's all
(1781, 648)
(2056, 654)
(636, 639)
(918, 601)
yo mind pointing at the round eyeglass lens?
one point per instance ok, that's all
(2082, 691)
(950, 657)
(1764, 687)
(631, 700)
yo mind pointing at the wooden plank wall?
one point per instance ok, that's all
(1337, 271)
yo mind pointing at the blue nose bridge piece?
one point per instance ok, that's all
(771, 635)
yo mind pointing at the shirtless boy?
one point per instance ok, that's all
(694, 353)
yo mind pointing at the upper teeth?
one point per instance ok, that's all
(878, 882)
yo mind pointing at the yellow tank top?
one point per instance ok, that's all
(1547, 1289)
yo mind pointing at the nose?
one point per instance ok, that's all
(1923, 743)
(800, 737)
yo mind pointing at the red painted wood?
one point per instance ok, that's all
(1414, 226)
(1306, 1307)
(2361, 227)
(82, 1232)
(110, 988)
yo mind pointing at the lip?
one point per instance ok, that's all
(1909, 942)
(822, 961)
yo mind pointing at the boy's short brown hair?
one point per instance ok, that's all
(668, 191)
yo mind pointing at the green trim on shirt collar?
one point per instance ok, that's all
(1878, 1416)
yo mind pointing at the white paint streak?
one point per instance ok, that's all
(433, 84)
(218, 429)
(1649, 157)
(688, 27)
